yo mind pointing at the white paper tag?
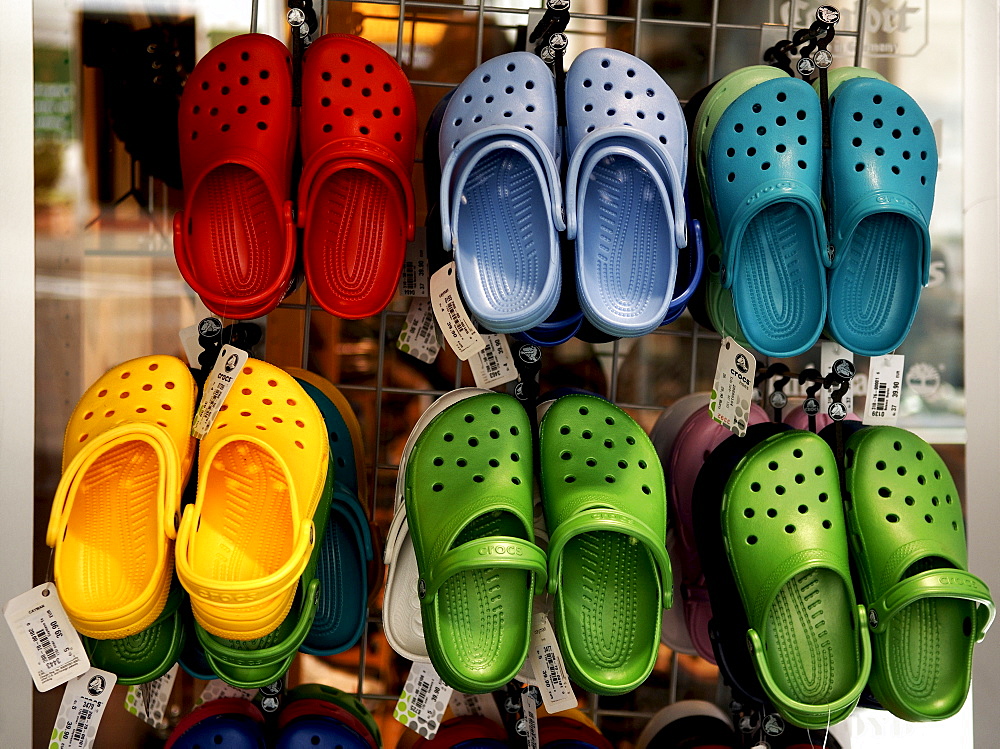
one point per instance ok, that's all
(81, 710)
(451, 316)
(148, 701)
(549, 667)
(227, 368)
(475, 704)
(830, 351)
(885, 387)
(733, 387)
(420, 336)
(189, 340)
(217, 689)
(527, 726)
(423, 701)
(413, 279)
(494, 365)
(50, 646)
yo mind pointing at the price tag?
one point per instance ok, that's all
(475, 704)
(548, 666)
(413, 279)
(50, 646)
(494, 365)
(830, 352)
(885, 387)
(733, 387)
(420, 336)
(189, 340)
(81, 710)
(527, 726)
(451, 316)
(423, 701)
(227, 368)
(148, 701)
(218, 689)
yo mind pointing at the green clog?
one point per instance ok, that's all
(606, 512)
(468, 498)
(925, 610)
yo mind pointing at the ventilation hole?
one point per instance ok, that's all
(621, 463)
(241, 109)
(642, 464)
(448, 437)
(856, 142)
(910, 501)
(608, 86)
(802, 164)
(732, 152)
(935, 501)
(265, 100)
(731, 176)
(530, 108)
(587, 434)
(641, 115)
(477, 118)
(651, 93)
(761, 130)
(140, 410)
(738, 127)
(609, 420)
(884, 491)
(473, 442)
(916, 131)
(327, 128)
(780, 121)
(147, 387)
(772, 513)
(565, 455)
(779, 490)
(799, 478)
(609, 444)
(515, 457)
(857, 117)
(437, 487)
(630, 440)
(225, 90)
(494, 434)
(801, 114)
(780, 148)
(880, 465)
(923, 180)
(605, 63)
(772, 466)
(789, 529)
(803, 140)
(755, 487)
(827, 524)
(461, 462)
(194, 135)
(923, 155)
(244, 80)
(892, 518)
(326, 76)
(478, 478)
(859, 167)
(588, 107)
(751, 540)
(213, 111)
(515, 480)
(508, 114)
(947, 498)
(954, 527)
(629, 94)
(569, 479)
(877, 123)
(346, 83)
(204, 85)
(610, 479)
(797, 453)
(756, 107)
(591, 462)
(611, 113)
(921, 480)
(895, 170)
(928, 518)
(244, 56)
(818, 470)
(766, 165)
(262, 126)
(564, 429)
(646, 489)
(906, 155)
(162, 424)
(937, 474)
(748, 513)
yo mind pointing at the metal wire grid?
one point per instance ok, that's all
(695, 335)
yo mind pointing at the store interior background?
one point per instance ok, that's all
(107, 288)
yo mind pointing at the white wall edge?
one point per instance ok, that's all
(17, 363)
(982, 332)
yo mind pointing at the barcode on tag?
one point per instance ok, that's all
(423, 701)
(51, 648)
(451, 316)
(733, 387)
(527, 727)
(227, 368)
(420, 336)
(549, 669)
(81, 710)
(494, 365)
(885, 387)
(829, 353)
(475, 704)
(148, 701)
(413, 279)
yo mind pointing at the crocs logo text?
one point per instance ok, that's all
(783, 185)
(742, 378)
(947, 580)
(498, 550)
(227, 597)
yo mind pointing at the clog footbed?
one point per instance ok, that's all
(318, 707)
(606, 512)
(697, 438)
(146, 655)
(624, 190)
(342, 699)
(401, 620)
(127, 452)
(235, 239)
(728, 632)
(346, 547)
(249, 535)
(759, 133)
(500, 192)
(879, 190)
(787, 545)
(926, 611)
(356, 202)
(319, 731)
(470, 511)
(229, 722)
(688, 724)
(468, 728)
